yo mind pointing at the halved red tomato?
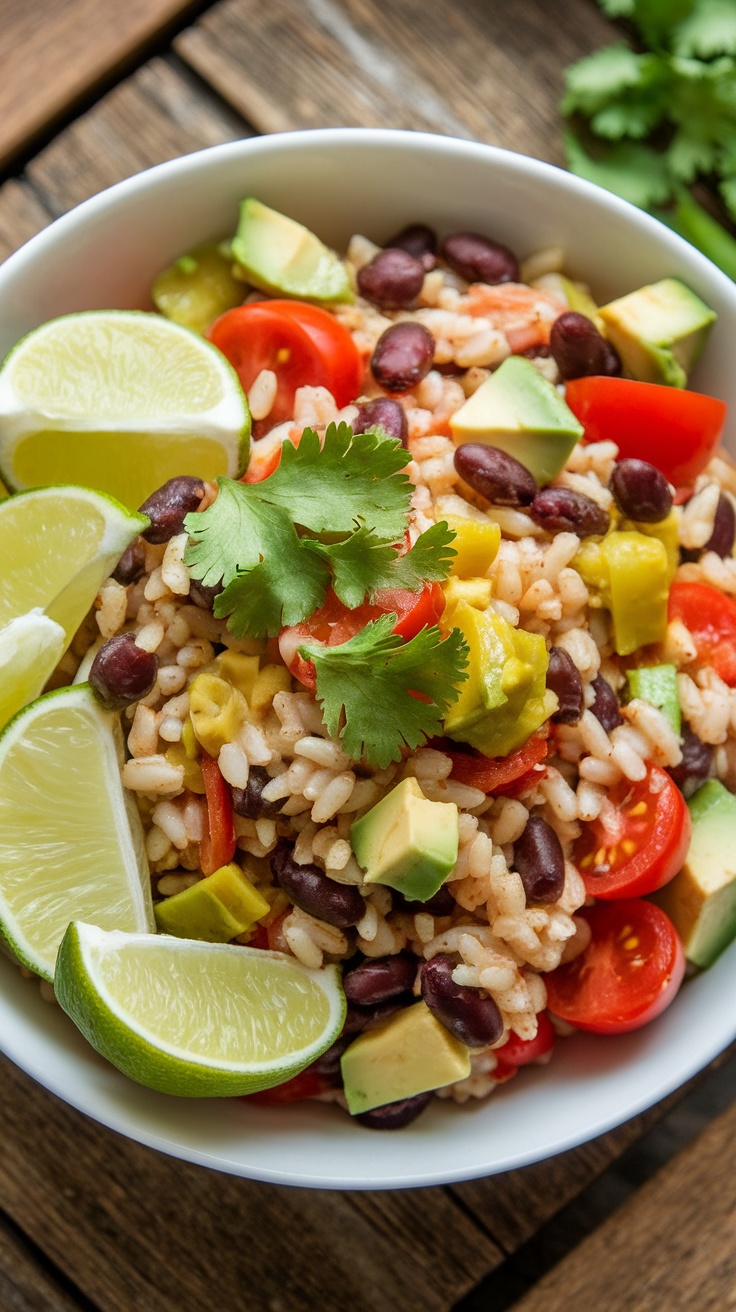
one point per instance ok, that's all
(301, 343)
(334, 623)
(518, 1052)
(640, 840)
(676, 430)
(501, 774)
(304, 1085)
(710, 617)
(629, 972)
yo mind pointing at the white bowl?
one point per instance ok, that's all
(105, 254)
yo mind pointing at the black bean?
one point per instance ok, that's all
(402, 356)
(121, 672)
(392, 279)
(495, 474)
(202, 595)
(132, 563)
(539, 862)
(328, 1065)
(248, 802)
(169, 504)
(383, 412)
(419, 240)
(395, 1115)
(468, 1013)
(605, 707)
(479, 259)
(379, 979)
(560, 510)
(358, 1019)
(441, 903)
(563, 677)
(579, 349)
(641, 491)
(312, 890)
(696, 765)
(724, 529)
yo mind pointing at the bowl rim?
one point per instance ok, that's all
(401, 140)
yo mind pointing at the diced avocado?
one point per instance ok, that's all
(657, 684)
(410, 1053)
(407, 842)
(216, 909)
(659, 331)
(282, 257)
(629, 574)
(197, 288)
(701, 899)
(519, 411)
(504, 698)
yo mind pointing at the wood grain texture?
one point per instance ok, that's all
(22, 215)
(155, 115)
(484, 69)
(56, 51)
(177, 1238)
(671, 1246)
(26, 1282)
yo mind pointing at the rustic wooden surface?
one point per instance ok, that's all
(88, 1220)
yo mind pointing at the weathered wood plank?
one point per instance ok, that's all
(155, 115)
(485, 69)
(56, 53)
(26, 1283)
(21, 215)
(176, 1238)
(670, 1246)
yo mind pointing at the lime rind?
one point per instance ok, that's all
(143, 1055)
(69, 856)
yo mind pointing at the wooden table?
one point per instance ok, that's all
(91, 92)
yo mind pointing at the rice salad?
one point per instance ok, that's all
(586, 571)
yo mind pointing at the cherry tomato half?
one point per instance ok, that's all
(629, 972)
(518, 1052)
(218, 845)
(301, 343)
(501, 774)
(676, 430)
(640, 840)
(304, 1085)
(334, 623)
(710, 616)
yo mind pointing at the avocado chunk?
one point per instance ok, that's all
(197, 288)
(520, 412)
(657, 684)
(407, 842)
(504, 698)
(410, 1053)
(282, 257)
(216, 909)
(659, 331)
(701, 899)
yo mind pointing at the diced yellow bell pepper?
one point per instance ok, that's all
(668, 532)
(638, 584)
(474, 592)
(189, 740)
(271, 679)
(218, 711)
(239, 670)
(177, 754)
(216, 909)
(476, 545)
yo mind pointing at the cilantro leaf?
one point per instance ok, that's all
(349, 480)
(592, 82)
(709, 29)
(633, 171)
(368, 683)
(364, 564)
(284, 588)
(228, 535)
(617, 8)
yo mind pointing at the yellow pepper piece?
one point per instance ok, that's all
(189, 740)
(476, 545)
(472, 592)
(239, 670)
(218, 712)
(638, 588)
(177, 754)
(216, 909)
(668, 532)
(271, 679)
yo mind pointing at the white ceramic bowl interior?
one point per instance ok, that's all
(105, 254)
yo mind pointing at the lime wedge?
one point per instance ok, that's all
(30, 648)
(57, 545)
(196, 1019)
(71, 843)
(120, 401)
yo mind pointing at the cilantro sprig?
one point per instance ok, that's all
(648, 123)
(368, 686)
(332, 513)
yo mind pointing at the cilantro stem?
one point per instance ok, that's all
(697, 226)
